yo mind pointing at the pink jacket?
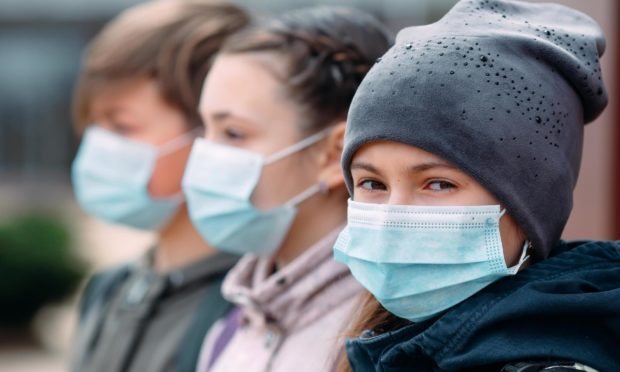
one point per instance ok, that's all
(291, 320)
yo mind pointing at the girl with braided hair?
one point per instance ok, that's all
(265, 182)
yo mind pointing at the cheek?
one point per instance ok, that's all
(168, 173)
(512, 240)
(373, 197)
(281, 181)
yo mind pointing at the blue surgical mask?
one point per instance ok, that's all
(420, 261)
(218, 183)
(111, 175)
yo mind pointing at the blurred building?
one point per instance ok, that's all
(40, 46)
(41, 43)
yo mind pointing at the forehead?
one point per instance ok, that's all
(244, 73)
(392, 152)
(248, 84)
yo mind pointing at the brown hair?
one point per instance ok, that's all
(172, 42)
(329, 51)
(371, 317)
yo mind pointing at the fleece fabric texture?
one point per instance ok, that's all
(292, 319)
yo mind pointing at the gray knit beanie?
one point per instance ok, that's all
(501, 89)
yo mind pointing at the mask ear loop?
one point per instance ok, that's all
(526, 248)
(306, 142)
(320, 188)
(524, 251)
(179, 142)
(524, 257)
(305, 195)
(279, 155)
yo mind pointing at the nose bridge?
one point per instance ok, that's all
(401, 193)
(210, 135)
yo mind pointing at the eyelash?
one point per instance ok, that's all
(362, 182)
(447, 185)
(233, 134)
(451, 186)
(121, 129)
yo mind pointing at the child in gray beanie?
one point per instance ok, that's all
(462, 150)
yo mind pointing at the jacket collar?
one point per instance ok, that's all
(297, 294)
(215, 265)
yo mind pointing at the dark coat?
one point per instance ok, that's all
(565, 308)
(133, 319)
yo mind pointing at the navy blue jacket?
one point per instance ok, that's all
(564, 308)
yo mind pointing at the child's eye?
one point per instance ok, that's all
(372, 185)
(122, 129)
(439, 185)
(233, 134)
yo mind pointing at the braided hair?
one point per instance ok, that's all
(329, 50)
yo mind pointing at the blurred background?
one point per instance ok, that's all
(48, 246)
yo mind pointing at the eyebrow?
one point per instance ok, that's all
(365, 166)
(110, 112)
(114, 113)
(220, 116)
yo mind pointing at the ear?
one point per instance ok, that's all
(330, 173)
